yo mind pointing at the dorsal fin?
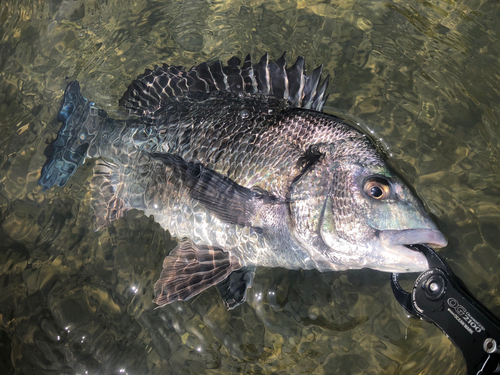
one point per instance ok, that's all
(155, 88)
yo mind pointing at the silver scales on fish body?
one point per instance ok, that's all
(241, 166)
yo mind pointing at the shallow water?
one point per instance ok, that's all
(420, 76)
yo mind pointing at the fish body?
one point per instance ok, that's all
(241, 165)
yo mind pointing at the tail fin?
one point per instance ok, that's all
(81, 120)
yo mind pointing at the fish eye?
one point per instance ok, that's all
(377, 188)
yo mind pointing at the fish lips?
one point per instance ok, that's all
(398, 257)
(430, 237)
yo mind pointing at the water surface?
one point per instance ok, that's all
(421, 76)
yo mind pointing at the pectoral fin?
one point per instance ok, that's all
(227, 200)
(233, 290)
(190, 269)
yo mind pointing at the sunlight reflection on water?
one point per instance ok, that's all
(420, 77)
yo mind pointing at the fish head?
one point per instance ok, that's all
(370, 213)
(352, 211)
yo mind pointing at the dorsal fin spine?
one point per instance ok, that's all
(282, 65)
(252, 76)
(268, 75)
(205, 68)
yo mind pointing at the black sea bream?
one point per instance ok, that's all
(242, 167)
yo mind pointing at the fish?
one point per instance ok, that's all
(241, 165)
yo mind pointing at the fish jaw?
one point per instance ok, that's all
(389, 251)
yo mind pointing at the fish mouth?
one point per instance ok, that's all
(395, 256)
(429, 237)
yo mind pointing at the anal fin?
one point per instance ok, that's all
(233, 290)
(105, 203)
(189, 269)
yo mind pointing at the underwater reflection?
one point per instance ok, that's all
(421, 77)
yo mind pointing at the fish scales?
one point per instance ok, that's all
(243, 168)
(140, 190)
(270, 144)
